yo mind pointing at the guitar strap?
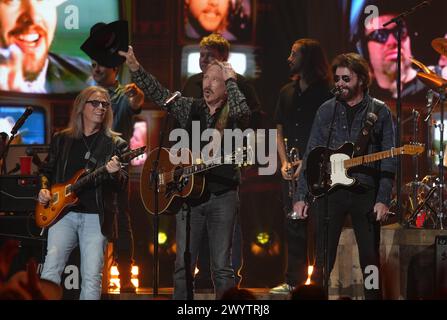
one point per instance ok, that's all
(361, 144)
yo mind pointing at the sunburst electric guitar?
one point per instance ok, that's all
(63, 195)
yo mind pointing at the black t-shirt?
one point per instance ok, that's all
(76, 161)
(296, 110)
(352, 110)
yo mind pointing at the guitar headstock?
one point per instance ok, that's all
(129, 155)
(413, 148)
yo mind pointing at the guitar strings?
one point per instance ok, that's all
(179, 170)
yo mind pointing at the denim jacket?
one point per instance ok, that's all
(378, 174)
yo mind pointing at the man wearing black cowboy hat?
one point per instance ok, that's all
(127, 101)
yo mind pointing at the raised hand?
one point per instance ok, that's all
(131, 60)
(227, 69)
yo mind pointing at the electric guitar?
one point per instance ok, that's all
(180, 181)
(340, 160)
(63, 195)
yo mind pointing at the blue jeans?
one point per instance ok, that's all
(218, 216)
(63, 237)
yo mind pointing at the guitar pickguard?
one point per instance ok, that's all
(176, 186)
(338, 172)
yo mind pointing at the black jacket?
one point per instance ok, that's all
(108, 185)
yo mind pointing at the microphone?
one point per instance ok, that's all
(429, 97)
(21, 120)
(172, 98)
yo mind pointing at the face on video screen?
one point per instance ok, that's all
(138, 140)
(40, 43)
(29, 26)
(231, 18)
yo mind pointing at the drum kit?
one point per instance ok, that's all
(427, 202)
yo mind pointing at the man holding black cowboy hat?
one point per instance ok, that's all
(102, 46)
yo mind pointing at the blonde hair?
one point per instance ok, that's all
(218, 42)
(76, 125)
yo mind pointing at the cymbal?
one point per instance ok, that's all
(433, 81)
(440, 46)
(422, 66)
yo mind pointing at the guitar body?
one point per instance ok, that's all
(337, 174)
(173, 191)
(62, 199)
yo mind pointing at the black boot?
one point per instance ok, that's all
(126, 285)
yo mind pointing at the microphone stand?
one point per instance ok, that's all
(4, 155)
(324, 180)
(442, 97)
(415, 183)
(399, 20)
(155, 218)
(430, 126)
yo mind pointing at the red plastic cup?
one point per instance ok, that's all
(25, 164)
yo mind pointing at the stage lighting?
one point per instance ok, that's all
(114, 282)
(162, 238)
(263, 238)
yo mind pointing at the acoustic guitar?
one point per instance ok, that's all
(177, 182)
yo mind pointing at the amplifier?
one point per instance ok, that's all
(18, 193)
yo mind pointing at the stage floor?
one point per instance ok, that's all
(166, 294)
(408, 263)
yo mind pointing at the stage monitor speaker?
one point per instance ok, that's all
(18, 193)
(441, 265)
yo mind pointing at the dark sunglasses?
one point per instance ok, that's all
(97, 103)
(345, 79)
(381, 35)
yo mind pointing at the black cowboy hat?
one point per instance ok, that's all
(105, 41)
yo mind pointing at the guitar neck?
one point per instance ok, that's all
(88, 178)
(197, 168)
(126, 157)
(358, 161)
